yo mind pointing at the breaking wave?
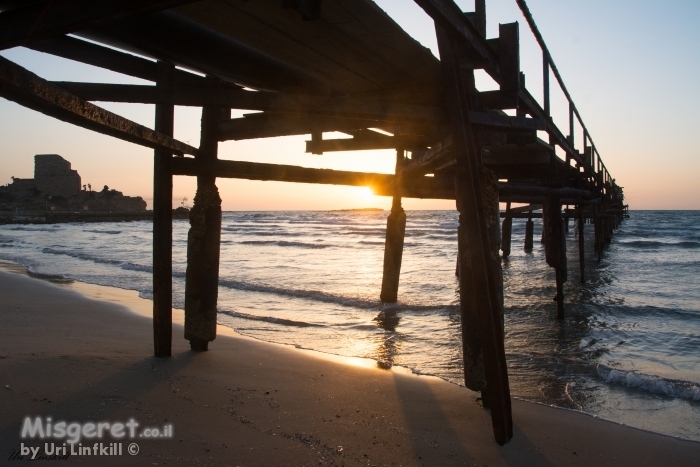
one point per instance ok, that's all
(650, 383)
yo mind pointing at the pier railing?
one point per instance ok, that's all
(590, 159)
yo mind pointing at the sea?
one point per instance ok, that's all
(628, 350)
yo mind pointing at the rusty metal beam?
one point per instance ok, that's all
(27, 89)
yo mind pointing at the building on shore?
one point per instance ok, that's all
(56, 187)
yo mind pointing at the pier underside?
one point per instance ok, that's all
(309, 67)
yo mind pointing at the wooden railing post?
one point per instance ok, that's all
(545, 83)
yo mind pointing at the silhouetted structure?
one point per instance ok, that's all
(56, 187)
(332, 65)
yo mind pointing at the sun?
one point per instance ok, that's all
(366, 194)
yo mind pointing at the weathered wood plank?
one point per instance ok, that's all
(394, 242)
(364, 143)
(163, 224)
(27, 89)
(477, 270)
(270, 125)
(110, 59)
(166, 35)
(448, 15)
(527, 208)
(362, 48)
(204, 240)
(349, 107)
(58, 17)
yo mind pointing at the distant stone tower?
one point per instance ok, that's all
(53, 176)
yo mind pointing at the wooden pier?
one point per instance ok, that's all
(313, 66)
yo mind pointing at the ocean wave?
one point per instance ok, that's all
(650, 383)
(284, 244)
(32, 229)
(56, 278)
(361, 231)
(109, 232)
(78, 255)
(326, 297)
(261, 233)
(270, 319)
(137, 267)
(657, 244)
(315, 295)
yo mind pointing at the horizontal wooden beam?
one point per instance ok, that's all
(53, 18)
(424, 161)
(365, 142)
(521, 215)
(270, 125)
(348, 107)
(499, 99)
(494, 121)
(381, 184)
(183, 41)
(277, 172)
(29, 90)
(110, 59)
(513, 189)
(309, 9)
(528, 208)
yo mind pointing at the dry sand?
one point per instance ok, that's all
(82, 352)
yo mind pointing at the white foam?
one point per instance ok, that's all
(650, 383)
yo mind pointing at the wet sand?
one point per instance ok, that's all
(79, 352)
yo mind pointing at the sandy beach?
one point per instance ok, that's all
(80, 352)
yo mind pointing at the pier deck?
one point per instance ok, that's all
(309, 67)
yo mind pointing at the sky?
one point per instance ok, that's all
(632, 68)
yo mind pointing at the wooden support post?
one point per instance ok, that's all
(555, 246)
(477, 272)
(393, 247)
(581, 247)
(204, 242)
(163, 222)
(529, 234)
(597, 229)
(506, 232)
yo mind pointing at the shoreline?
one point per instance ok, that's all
(423, 412)
(143, 307)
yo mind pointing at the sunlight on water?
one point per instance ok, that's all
(627, 351)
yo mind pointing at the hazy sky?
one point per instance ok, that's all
(632, 67)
